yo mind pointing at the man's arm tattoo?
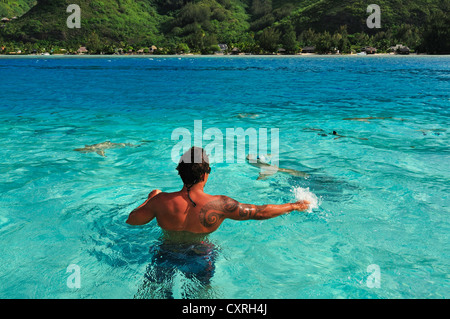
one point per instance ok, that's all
(217, 209)
(248, 211)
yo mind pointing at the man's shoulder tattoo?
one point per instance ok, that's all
(216, 209)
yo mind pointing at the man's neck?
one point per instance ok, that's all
(195, 188)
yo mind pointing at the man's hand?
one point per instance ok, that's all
(301, 205)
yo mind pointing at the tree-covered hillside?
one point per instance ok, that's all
(256, 26)
(15, 8)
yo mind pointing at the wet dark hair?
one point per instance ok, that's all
(193, 165)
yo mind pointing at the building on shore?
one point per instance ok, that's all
(222, 48)
(82, 50)
(309, 49)
(404, 50)
(400, 49)
(235, 51)
(369, 50)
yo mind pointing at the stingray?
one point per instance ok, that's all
(338, 136)
(312, 129)
(432, 131)
(368, 119)
(269, 170)
(247, 115)
(101, 147)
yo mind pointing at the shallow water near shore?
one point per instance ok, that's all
(383, 188)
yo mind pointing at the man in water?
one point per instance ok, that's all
(187, 217)
(192, 210)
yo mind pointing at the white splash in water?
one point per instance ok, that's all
(306, 194)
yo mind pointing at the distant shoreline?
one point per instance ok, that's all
(180, 56)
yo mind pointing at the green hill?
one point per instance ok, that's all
(199, 24)
(331, 14)
(256, 26)
(105, 20)
(15, 8)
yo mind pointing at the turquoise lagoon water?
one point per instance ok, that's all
(383, 196)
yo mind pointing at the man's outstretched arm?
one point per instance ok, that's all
(260, 212)
(144, 213)
(214, 212)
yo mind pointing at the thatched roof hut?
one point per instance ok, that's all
(309, 49)
(404, 50)
(235, 51)
(82, 50)
(400, 49)
(369, 50)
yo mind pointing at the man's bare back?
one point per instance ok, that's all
(175, 212)
(193, 211)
